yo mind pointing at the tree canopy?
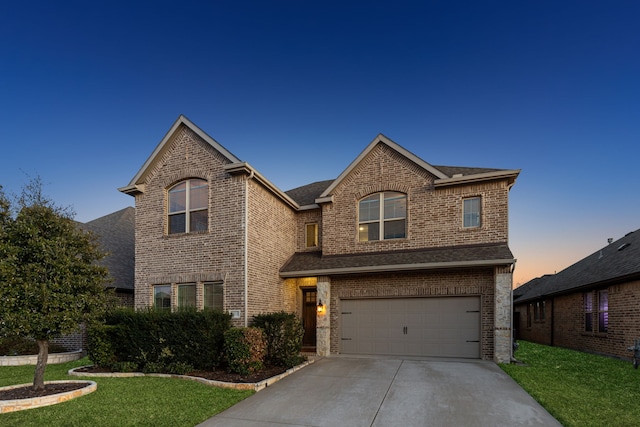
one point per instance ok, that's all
(50, 280)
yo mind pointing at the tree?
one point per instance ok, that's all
(50, 281)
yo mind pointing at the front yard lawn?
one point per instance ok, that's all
(579, 389)
(137, 401)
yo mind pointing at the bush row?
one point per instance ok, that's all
(184, 341)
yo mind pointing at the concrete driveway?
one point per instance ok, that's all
(382, 392)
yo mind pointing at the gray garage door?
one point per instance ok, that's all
(445, 327)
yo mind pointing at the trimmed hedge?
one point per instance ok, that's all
(245, 349)
(160, 342)
(21, 346)
(284, 334)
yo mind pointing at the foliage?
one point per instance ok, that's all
(49, 279)
(578, 389)
(245, 349)
(138, 401)
(155, 341)
(284, 334)
(20, 346)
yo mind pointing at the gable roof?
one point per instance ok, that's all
(303, 264)
(137, 181)
(116, 235)
(445, 175)
(381, 139)
(615, 263)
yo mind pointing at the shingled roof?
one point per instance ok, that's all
(314, 263)
(307, 194)
(615, 263)
(116, 234)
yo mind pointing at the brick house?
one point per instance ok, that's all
(395, 256)
(592, 305)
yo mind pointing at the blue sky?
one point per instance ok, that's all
(298, 89)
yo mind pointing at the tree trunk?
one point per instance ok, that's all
(43, 355)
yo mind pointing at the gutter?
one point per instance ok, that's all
(395, 267)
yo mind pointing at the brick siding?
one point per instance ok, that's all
(568, 322)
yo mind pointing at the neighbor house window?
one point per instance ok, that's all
(603, 311)
(213, 296)
(311, 235)
(162, 297)
(529, 310)
(382, 216)
(588, 311)
(471, 212)
(187, 296)
(188, 201)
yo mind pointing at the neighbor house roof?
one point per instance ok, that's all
(116, 235)
(315, 264)
(615, 263)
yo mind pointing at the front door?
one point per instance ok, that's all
(309, 297)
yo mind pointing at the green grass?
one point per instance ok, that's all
(579, 389)
(137, 401)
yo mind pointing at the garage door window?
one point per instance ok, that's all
(382, 216)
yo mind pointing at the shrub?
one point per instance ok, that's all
(245, 349)
(284, 334)
(165, 341)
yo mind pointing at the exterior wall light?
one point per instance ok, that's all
(321, 308)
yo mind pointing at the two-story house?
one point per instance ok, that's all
(394, 257)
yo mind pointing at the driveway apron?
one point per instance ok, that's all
(382, 392)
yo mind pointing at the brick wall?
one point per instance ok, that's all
(568, 322)
(214, 255)
(434, 216)
(442, 283)
(540, 330)
(272, 241)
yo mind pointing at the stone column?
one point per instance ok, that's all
(502, 321)
(323, 321)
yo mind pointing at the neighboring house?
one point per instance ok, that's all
(592, 306)
(116, 236)
(395, 256)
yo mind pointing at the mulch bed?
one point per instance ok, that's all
(27, 392)
(217, 375)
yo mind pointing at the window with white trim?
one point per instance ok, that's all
(382, 216)
(471, 210)
(188, 206)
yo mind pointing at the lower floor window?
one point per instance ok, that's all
(200, 295)
(162, 297)
(213, 295)
(187, 296)
(603, 311)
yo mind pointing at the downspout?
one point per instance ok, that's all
(246, 249)
(513, 336)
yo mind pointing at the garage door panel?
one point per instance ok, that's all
(447, 327)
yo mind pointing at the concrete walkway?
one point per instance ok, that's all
(383, 392)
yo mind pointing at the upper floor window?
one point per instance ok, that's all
(471, 212)
(311, 235)
(188, 201)
(382, 216)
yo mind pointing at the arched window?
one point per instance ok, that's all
(188, 206)
(382, 216)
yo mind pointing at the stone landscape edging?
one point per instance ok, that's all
(238, 386)
(32, 359)
(37, 402)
